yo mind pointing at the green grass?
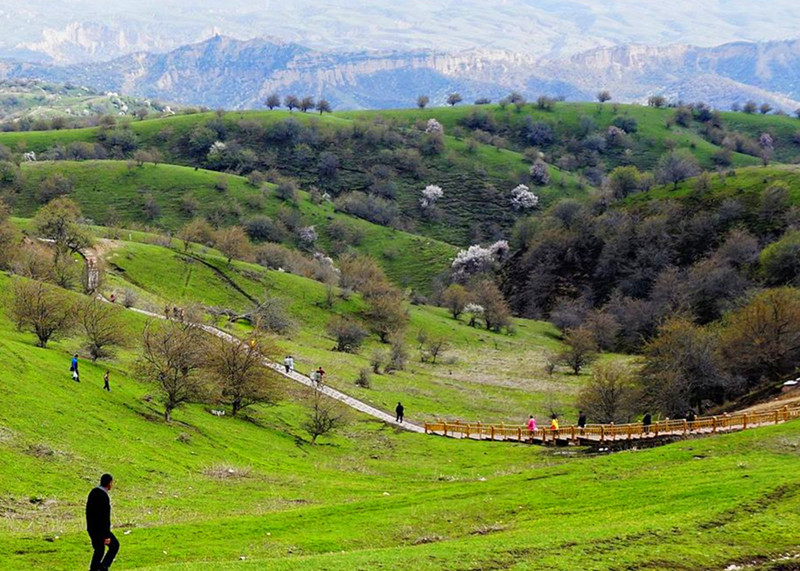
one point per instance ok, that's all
(112, 188)
(367, 498)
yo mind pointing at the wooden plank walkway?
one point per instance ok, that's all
(609, 433)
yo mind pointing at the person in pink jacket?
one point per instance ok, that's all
(531, 426)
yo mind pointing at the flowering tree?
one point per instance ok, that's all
(430, 195)
(307, 235)
(475, 312)
(477, 259)
(434, 127)
(522, 198)
(540, 174)
(767, 145)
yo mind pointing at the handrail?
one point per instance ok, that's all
(614, 432)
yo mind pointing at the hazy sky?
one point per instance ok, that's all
(529, 26)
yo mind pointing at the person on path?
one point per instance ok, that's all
(647, 420)
(399, 410)
(98, 525)
(74, 369)
(554, 423)
(581, 420)
(291, 364)
(531, 427)
(320, 375)
(287, 363)
(105, 381)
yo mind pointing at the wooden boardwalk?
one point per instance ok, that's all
(594, 434)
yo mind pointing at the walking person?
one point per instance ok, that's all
(647, 420)
(105, 381)
(287, 363)
(320, 375)
(74, 369)
(291, 364)
(399, 410)
(581, 420)
(531, 427)
(98, 524)
(554, 423)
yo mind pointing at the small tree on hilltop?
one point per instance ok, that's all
(291, 102)
(325, 415)
(430, 194)
(603, 96)
(323, 106)
(172, 354)
(496, 313)
(675, 167)
(239, 370)
(101, 325)
(306, 103)
(540, 173)
(765, 108)
(386, 315)
(455, 298)
(433, 347)
(273, 101)
(581, 349)
(422, 101)
(454, 99)
(750, 107)
(41, 309)
(198, 231)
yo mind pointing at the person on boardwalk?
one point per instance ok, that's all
(554, 423)
(647, 420)
(74, 369)
(320, 375)
(291, 364)
(399, 410)
(98, 524)
(105, 381)
(531, 427)
(287, 363)
(581, 420)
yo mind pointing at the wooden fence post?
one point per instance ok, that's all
(445, 428)
(744, 421)
(714, 425)
(519, 434)
(656, 430)
(777, 417)
(467, 430)
(786, 413)
(480, 431)
(492, 435)
(630, 432)
(573, 435)
(685, 427)
(602, 433)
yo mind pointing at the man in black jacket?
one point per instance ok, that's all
(98, 524)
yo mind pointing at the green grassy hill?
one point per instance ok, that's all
(209, 493)
(112, 192)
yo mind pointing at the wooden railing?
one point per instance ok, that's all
(613, 432)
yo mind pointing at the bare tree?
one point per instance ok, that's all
(324, 416)
(422, 101)
(59, 221)
(454, 99)
(306, 103)
(455, 299)
(102, 326)
(581, 349)
(292, 102)
(232, 242)
(240, 372)
(273, 101)
(433, 347)
(41, 309)
(611, 395)
(603, 96)
(323, 106)
(172, 354)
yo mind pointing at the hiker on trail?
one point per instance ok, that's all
(554, 423)
(647, 420)
(112, 298)
(320, 375)
(105, 381)
(74, 369)
(98, 524)
(287, 363)
(581, 420)
(399, 410)
(291, 364)
(531, 426)
(166, 311)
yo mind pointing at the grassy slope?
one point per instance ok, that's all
(99, 185)
(486, 376)
(370, 498)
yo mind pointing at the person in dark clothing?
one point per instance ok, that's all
(105, 381)
(98, 524)
(581, 420)
(647, 420)
(399, 410)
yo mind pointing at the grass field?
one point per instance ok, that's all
(209, 493)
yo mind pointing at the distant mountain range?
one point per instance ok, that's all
(225, 72)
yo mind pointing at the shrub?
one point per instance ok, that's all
(348, 334)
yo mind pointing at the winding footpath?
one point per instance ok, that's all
(93, 278)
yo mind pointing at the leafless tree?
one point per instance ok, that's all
(41, 309)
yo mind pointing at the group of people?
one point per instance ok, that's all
(76, 375)
(532, 426)
(174, 312)
(288, 363)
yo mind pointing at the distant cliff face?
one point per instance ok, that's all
(224, 72)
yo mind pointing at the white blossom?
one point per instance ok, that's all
(522, 198)
(474, 309)
(766, 142)
(217, 148)
(499, 250)
(540, 174)
(434, 126)
(430, 195)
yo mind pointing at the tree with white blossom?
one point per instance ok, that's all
(477, 259)
(767, 144)
(430, 194)
(522, 198)
(434, 126)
